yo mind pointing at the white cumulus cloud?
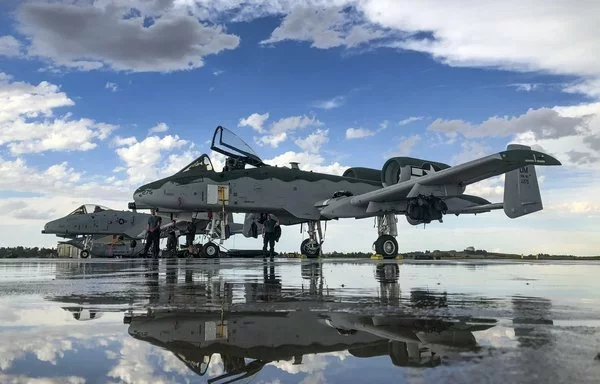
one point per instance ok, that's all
(358, 133)
(27, 122)
(158, 128)
(314, 141)
(93, 35)
(255, 120)
(277, 132)
(323, 27)
(9, 46)
(142, 158)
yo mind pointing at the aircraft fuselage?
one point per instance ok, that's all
(290, 194)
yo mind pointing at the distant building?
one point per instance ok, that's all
(470, 249)
(67, 251)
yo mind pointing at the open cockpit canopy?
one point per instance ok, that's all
(88, 208)
(202, 164)
(229, 144)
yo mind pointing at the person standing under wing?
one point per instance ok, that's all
(269, 235)
(190, 236)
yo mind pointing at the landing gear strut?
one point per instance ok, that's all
(311, 247)
(386, 244)
(218, 228)
(88, 243)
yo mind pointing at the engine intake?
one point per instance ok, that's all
(398, 169)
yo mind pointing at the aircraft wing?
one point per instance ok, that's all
(450, 181)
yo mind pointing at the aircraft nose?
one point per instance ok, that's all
(50, 227)
(145, 196)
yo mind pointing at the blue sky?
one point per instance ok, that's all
(409, 78)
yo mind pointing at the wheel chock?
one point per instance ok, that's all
(377, 257)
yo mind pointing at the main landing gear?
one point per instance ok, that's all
(386, 244)
(311, 247)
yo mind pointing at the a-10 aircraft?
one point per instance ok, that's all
(421, 190)
(96, 229)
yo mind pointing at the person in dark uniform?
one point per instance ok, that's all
(172, 239)
(153, 234)
(269, 235)
(190, 236)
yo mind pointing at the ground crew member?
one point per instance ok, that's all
(190, 236)
(172, 239)
(269, 235)
(153, 234)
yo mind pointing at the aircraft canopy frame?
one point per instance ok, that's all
(88, 208)
(231, 145)
(202, 163)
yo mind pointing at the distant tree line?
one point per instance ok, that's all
(23, 252)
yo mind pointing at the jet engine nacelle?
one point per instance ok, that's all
(398, 169)
(363, 173)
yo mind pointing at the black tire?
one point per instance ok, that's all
(386, 246)
(133, 244)
(308, 251)
(84, 254)
(211, 250)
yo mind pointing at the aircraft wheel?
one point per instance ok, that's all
(310, 250)
(386, 246)
(133, 244)
(211, 250)
(84, 254)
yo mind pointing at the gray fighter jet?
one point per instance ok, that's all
(102, 231)
(421, 190)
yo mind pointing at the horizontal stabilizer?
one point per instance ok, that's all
(521, 189)
(479, 208)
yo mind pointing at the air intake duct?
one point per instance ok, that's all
(398, 169)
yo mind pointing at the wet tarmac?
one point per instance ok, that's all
(249, 320)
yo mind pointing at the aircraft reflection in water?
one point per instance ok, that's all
(206, 318)
(252, 334)
(265, 337)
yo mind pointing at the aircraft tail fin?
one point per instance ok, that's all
(521, 190)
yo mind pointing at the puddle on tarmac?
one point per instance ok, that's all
(298, 321)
